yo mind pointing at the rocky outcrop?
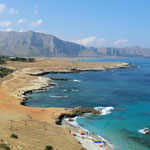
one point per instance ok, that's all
(78, 111)
(38, 84)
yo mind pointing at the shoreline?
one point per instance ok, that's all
(25, 79)
(88, 137)
(43, 83)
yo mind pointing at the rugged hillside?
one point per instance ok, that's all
(44, 45)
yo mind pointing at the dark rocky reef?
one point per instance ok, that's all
(23, 97)
(60, 79)
(77, 111)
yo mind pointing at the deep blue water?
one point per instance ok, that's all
(126, 89)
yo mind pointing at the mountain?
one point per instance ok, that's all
(134, 51)
(34, 44)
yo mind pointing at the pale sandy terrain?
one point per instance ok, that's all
(36, 127)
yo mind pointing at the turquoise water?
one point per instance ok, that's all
(127, 90)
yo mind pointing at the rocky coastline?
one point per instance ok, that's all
(42, 72)
(38, 84)
(77, 111)
(41, 83)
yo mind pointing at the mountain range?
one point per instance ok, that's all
(35, 44)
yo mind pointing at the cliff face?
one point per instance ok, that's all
(44, 45)
(125, 52)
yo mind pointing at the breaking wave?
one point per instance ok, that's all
(142, 130)
(70, 90)
(58, 96)
(104, 110)
(77, 80)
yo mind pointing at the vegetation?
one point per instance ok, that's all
(4, 146)
(5, 71)
(4, 59)
(31, 59)
(22, 59)
(49, 147)
(14, 136)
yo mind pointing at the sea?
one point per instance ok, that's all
(123, 95)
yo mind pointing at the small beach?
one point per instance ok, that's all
(87, 139)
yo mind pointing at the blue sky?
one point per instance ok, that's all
(96, 23)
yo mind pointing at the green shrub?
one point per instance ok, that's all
(3, 59)
(48, 147)
(5, 71)
(31, 59)
(4, 146)
(22, 59)
(14, 136)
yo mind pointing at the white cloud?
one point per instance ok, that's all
(2, 7)
(21, 21)
(21, 30)
(8, 29)
(91, 41)
(13, 11)
(35, 23)
(5, 23)
(120, 41)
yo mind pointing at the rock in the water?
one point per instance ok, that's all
(78, 111)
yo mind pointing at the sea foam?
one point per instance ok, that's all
(104, 110)
(77, 80)
(53, 96)
(142, 131)
(70, 90)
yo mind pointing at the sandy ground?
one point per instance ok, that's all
(35, 127)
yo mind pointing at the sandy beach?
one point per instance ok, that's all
(36, 127)
(87, 139)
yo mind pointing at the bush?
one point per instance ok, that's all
(31, 59)
(48, 147)
(14, 136)
(4, 146)
(5, 71)
(22, 59)
(3, 59)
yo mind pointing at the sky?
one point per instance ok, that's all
(98, 23)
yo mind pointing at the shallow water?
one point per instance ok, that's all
(127, 90)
